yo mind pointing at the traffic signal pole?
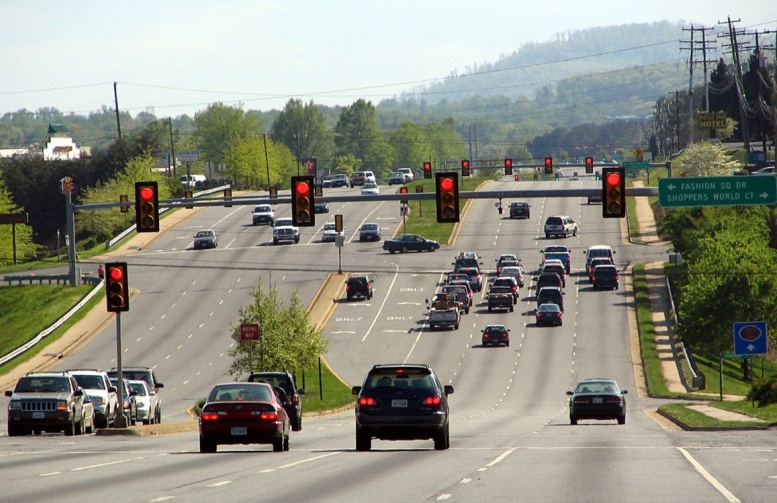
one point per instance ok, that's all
(73, 275)
(121, 420)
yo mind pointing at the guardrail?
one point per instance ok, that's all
(698, 380)
(31, 278)
(48, 331)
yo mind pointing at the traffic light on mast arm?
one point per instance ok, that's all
(508, 166)
(465, 167)
(548, 165)
(146, 207)
(302, 201)
(447, 195)
(428, 170)
(613, 192)
(116, 287)
(589, 165)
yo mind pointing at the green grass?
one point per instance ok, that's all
(422, 219)
(696, 420)
(28, 310)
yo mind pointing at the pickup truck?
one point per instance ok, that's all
(500, 297)
(444, 312)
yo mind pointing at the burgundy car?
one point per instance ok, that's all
(244, 413)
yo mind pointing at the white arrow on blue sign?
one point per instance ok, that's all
(750, 337)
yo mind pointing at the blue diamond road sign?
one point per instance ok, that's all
(750, 337)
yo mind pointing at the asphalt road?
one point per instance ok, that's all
(510, 434)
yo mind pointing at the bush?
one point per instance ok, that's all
(764, 392)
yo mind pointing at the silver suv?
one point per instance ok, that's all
(144, 374)
(98, 386)
(560, 225)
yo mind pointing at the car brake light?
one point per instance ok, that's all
(558, 315)
(209, 416)
(613, 399)
(269, 416)
(583, 399)
(433, 400)
(295, 400)
(367, 401)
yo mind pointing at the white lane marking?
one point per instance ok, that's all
(708, 477)
(49, 474)
(382, 305)
(219, 484)
(307, 460)
(109, 463)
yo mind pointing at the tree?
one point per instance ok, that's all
(219, 126)
(288, 340)
(246, 161)
(706, 159)
(15, 239)
(356, 134)
(304, 130)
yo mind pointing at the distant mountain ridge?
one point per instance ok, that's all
(574, 53)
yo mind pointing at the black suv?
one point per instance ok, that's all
(605, 276)
(549, 279)
(358, 285)
(552, 294)
(289, 394)
(46, 401)
(402, 402)
(520, 209)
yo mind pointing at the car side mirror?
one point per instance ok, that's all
(624, 392)
(448, 389)
(112, 390)
(570, 393)
(160, 385)
(300, 391)
(356, 390)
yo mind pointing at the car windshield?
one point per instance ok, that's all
(496, 329)
(90, 381)
(139, 388)
(262, 209)
(597, 387)
(42, 385)
(329, 227)
(239, 392)
(370, 227)
(204, 234)
(280, 222)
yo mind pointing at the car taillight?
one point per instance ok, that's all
(209, 416)
(433, 400)
(558, 315)
(367, 401)
(486, 336)
(583, 399)
(268, 416)
(504, 335)
(347, 287)
(613, 399)
(295, 400)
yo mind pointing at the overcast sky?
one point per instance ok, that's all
(175, 57)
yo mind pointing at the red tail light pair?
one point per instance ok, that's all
(433, 400)
(367, 401)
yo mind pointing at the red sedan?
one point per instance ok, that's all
(244, 413)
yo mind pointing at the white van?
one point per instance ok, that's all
(190, 181)
(598, 251)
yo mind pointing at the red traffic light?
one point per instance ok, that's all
(589, 165)
(116, 273)
(116, 287)
(147, 206)
(302, 188)
(613, 193)
(548, 165)
(508, 166)
(447, 196)
(613, 179)
(403, 190)
(465, 167)
(427, 170)
(447, 184)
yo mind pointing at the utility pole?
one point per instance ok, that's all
(738, 81)
(116, 101)
(172, 145)
(692, 62)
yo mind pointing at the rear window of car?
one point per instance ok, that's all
(554, 221)
(606, 270)
(416, 379)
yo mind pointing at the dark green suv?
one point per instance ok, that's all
(290, 395)
(402, 402)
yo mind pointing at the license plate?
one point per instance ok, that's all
(399, 403)
(597, 399)
(38, 415)
(239, 430)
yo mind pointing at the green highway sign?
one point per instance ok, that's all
(734, 356)
(717, 191)
(636, 165)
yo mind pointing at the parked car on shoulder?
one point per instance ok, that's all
(402, 402)
(410, 242)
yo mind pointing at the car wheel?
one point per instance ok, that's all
(12, 431)
(572, 420)
(277, 445)
(456, 326)
(511, 309)
(286, 443)
(296, 240)
(90, 429)
(392, 251)
(207, 445)
(432, 326)
(274, 241)
(489, 309)
(298, 424)
(158, 416)
(70, 429)
(363, 440)
(547, 236)
(441, 441)
(81, 425)
(622, 419)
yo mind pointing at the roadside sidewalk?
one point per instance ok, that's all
(671, 358)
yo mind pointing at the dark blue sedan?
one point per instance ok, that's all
(410, 242)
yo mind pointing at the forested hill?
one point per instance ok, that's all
(525, 72)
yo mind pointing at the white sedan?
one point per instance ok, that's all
(370, 188)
